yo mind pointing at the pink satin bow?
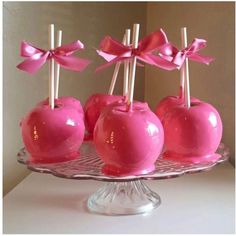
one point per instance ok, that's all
(171, 53)
(36, 57)
(113, 51)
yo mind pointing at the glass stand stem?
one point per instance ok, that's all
(123, 198)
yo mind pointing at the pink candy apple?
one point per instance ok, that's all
(128, 141)
(53, 135)
(68, 101)
(94, 107)
(167, 103)
(192, 134)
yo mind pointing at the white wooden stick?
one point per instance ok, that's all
(133, 64)
(182, 76)
(186, 70)
(115, 74)
(51, 67)
(182, 79)
(126, 65)
(59, 40)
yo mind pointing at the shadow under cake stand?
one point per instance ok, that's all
(120, 195)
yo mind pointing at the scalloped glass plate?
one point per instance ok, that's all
(89, 166)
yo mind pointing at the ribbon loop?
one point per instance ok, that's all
(112, 46)
(68, 49)
(153, 41)
(27, 50)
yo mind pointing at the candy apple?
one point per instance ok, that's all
(53, 135)
(94, 106)
(68, 101)
(128, 141)
(168, 103)
(192, 134)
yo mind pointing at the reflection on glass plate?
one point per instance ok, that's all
(89, 166)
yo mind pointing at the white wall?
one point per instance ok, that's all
(215, 83)
(29, 21)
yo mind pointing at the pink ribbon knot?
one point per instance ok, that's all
(36, 57)
(113, 51)
(171, 53)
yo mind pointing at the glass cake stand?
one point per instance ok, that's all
(124, 195)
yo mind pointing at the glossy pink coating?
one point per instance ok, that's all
(192, 134)
(167, 103)
(53, 135)
(128, 141)
(68, 101)
(94, 106)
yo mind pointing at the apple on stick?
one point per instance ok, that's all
(128, 140)
(54, 129)
(193, 129)
(97, 102)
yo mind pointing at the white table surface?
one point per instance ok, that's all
(197, 203)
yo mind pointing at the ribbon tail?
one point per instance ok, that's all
(103, 66)
(200, 58)
(158, 62)
(168, 50)
(153, 41)
(72, 63)
(140, 64)
(32, 65)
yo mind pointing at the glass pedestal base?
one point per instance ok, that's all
(123, 198)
